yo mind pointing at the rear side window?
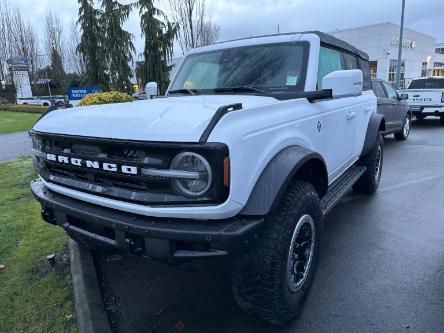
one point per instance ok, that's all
(364, 67)
(378, 89)
(427, 84)
(329, 61)
(349, 61)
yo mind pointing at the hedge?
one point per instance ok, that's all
(23, 108)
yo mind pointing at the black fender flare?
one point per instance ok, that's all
(376, 124)
(282, 168)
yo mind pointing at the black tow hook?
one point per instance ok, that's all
(48, 216)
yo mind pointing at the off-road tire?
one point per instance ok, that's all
(259, 278)
(369, 181)
(441, 119)
(403, 134)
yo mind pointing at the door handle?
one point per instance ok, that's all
(350, 115)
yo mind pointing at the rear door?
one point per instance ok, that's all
(395, 116)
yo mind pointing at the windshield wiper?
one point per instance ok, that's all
(183, 91)
(240, 89)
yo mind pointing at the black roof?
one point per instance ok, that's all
(336, 42)
(326, 39)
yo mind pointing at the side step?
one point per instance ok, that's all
(340, 187)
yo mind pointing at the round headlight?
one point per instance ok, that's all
(192, 162)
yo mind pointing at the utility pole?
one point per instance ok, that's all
(401, 35)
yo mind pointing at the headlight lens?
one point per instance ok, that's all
(194, 163)
(37, 143)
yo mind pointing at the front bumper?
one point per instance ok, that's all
(159, 238)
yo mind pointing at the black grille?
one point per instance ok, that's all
(128, 187)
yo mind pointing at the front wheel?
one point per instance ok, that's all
(273, 280)
(404, 133)
(369, 181)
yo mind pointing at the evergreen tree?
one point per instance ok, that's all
(118, 44)
(57, 73)
(91, 44)
(159, 36)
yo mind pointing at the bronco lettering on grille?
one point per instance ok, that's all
(89, 164)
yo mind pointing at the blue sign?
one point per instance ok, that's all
(78, 93)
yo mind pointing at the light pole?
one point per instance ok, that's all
(401, 35)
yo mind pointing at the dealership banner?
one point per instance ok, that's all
(78, 93)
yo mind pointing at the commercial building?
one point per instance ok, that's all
(421, 55)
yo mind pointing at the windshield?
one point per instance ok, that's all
(269, 68)
(427, 84)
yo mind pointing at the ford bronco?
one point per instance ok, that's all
(255, 141)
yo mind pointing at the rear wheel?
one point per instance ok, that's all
(441, 119)
(273, 280)
(369, 181)
(404, 133)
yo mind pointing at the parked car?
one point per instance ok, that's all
(394, 108)
(3, 101)
(255, 142)
(34, 101)
(426, 97)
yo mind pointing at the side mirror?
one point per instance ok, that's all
(404, 96)
(344, 83)
(151, 90)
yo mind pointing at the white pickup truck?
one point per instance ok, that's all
(34, 101)
(426, 97)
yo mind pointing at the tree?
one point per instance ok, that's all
(159, 36)
(91, 45)
(195, 30)
(56, 47)
(209, 33)
(17, 38)
(74, 63)
(118, 44)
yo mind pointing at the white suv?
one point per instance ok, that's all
(253, 144)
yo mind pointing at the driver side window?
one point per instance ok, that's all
(329, 61)
(390, 91)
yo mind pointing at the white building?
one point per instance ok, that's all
(421, 55)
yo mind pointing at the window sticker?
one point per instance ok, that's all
(188, 84)
(292, 80)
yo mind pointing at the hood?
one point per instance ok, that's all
(173, 119)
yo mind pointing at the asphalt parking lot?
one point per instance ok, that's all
(14, 145)
(381, 270)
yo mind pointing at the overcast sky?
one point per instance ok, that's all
(242, 18)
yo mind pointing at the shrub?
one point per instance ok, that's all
(23, 108)
(105, 98)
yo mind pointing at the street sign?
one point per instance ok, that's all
(78, 93)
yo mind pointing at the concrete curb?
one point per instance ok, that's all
(91, 313)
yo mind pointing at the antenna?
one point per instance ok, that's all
(278, 29)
